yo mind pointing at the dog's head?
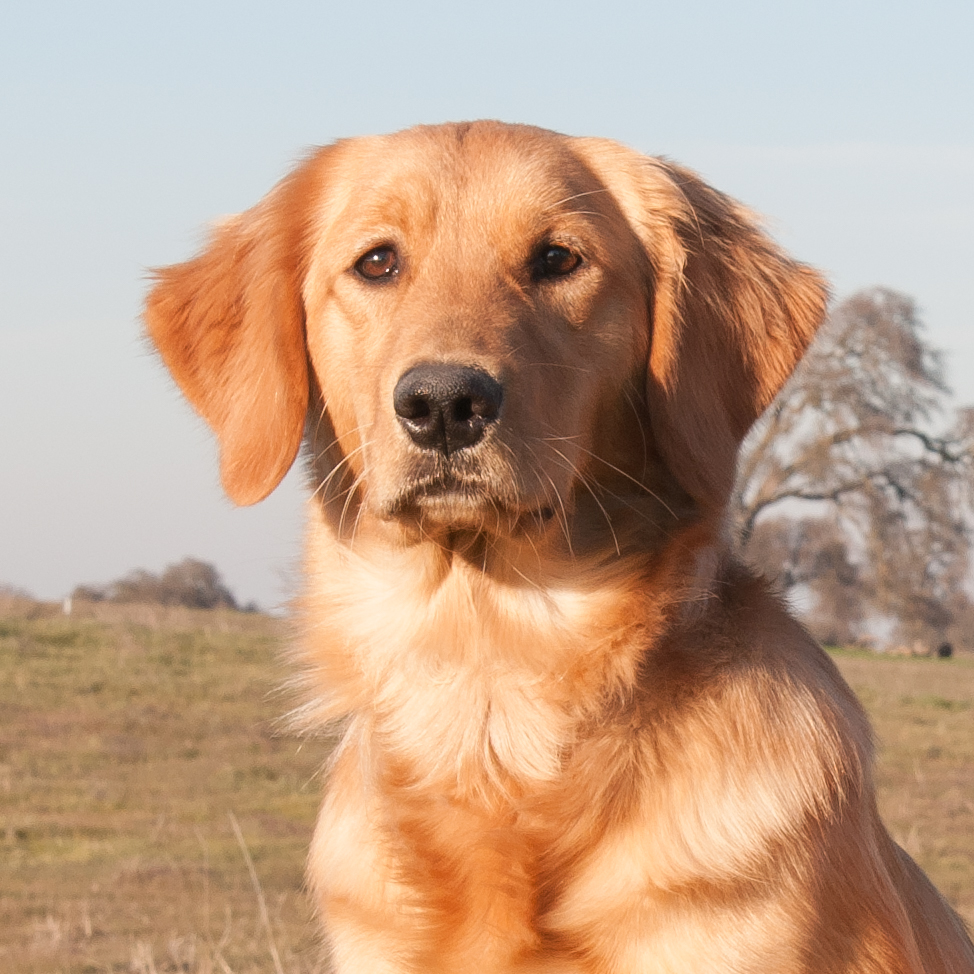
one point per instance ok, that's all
(477, 322)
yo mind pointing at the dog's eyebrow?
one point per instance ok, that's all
(576, 196)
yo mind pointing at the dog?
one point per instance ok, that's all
(576, 735)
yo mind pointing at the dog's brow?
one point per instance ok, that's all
(576, 196)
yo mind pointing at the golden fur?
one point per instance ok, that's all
(577, 737)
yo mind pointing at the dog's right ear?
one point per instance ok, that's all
(230, 326)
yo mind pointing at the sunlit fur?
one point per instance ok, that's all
(575, 735)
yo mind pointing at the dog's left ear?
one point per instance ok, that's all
(731, 314)
(229, 325)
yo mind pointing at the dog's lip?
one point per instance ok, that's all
(451, 493)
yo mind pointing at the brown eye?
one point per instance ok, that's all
(555, 261)
(379, 264)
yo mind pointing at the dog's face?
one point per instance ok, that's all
(474, 306)
(480, 323)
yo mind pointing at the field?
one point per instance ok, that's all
(154, 815)
(126, 742)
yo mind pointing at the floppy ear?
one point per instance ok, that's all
(229, 324)
(731, 314)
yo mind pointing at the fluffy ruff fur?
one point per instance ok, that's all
(577, 736)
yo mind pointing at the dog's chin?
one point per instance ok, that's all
(459, 514)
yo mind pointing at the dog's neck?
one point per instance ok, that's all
(521, 650)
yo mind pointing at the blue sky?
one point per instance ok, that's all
(126, 127)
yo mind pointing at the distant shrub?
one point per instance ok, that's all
(191, 583)
(13, 592)
(16, 601)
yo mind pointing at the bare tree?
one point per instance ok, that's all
(810, 556)
(862, 475)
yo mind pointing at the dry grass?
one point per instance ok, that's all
(923, 714)
(128, 738)
(137, 742)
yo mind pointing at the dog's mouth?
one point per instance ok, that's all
(453, 502)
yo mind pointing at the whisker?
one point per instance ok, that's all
(348, 499)
(626, 394)
(622, 473)
(530, 540)
(576, 196)
(642, 515)
(559, 365)
(563, 516)
(360, 512)
(518, 571)
(321, 418)
(326, 482)
(316, 457)
(349, 494)
(426, 536)
(583, 480)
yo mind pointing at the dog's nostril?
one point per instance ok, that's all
(415, 407)
(446, 407)
(485, 407)
(463, 410)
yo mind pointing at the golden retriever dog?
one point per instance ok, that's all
(577, 736)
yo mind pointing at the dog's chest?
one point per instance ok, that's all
(471, 684)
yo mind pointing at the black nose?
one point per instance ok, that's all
(446, 407)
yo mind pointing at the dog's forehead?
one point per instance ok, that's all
(481, 174)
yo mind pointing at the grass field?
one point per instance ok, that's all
(132, 740)
(126, 742)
